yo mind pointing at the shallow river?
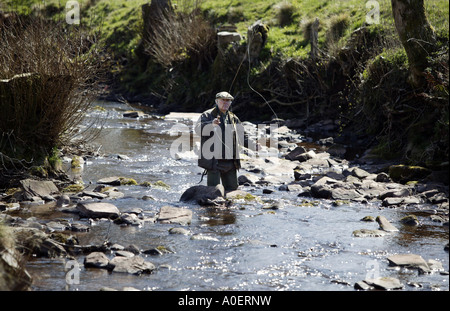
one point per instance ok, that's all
(296, 247)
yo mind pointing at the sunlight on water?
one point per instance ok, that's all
(297, 247)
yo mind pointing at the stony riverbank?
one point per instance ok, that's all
(313, 170)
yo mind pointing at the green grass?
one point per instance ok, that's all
(120, 20)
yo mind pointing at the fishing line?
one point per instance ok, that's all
(247, 55)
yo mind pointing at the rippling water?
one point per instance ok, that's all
(297, 247)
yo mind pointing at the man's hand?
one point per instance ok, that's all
(216, 121)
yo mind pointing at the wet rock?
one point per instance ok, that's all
(9, 207)
(435, 265)
(129, 219)
(410, 220)
(385, 224)
(392, 201)
(368, 218)
(294, 153)
(98, 210)
(344, 194)
(360, 173)
(113, 194)
(174, 215)
(405, 173)
(383, 177)
(135, 265)
(63, 201)
(369, 233)
(153, 252)
(113, 181)
(394, 193)
(202, 237)
(13, 276)
(76, 227)
(133, 114)
(123, 253)
(384, 283)
(38, 187)
(363, 286)
(322, 188)
(240, 195)
(408, 260)
(57, 226)
(95, 195)
(36, 242)
(247, 179)
(400, 201)
(96, 260)
(202, 193)
(133, 249)
(178, 230)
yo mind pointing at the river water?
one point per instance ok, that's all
(299, 247)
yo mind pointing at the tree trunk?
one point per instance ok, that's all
(416, 34)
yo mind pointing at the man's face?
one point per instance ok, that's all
(224, 104)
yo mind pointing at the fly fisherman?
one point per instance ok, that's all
(221, 134)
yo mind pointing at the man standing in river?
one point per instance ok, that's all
(221, 134)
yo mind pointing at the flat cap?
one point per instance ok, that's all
(224, 95)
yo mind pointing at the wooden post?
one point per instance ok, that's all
(314, 39)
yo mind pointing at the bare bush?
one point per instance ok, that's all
(48, 79)
(176, 35)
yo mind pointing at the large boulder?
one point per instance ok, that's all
(96, 260)
(13, 277)
(405, 173)
(35, 242)
(38, 187)
(132, 265)
(98, 210)
(202, 194)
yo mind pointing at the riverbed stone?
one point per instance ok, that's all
(38, 243)
(344, 194)
(113, 181)
(360, 173)
(136, 265)
(201, 193)
(385, 283)
(178, 230)
(408, 260)
(41, 188)
(174, 215)
(96, 260)
(13, 275)
(385, 224)
(410, 220)
(77, 227)
(63, 201)
(129, 219)
(249, 179)
(94, 194)
(98, 210)
(369, 233)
